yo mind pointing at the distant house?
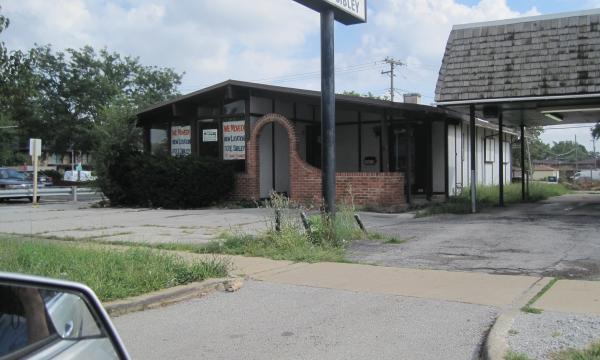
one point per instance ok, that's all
(544, 172)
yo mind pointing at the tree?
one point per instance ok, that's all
(537, 149)
(115, 134)
(63, 93)
(596, 131)
(60, 96)
(368, 95)
(568, 151)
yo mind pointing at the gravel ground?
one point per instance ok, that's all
(539, 335)
(275, 321)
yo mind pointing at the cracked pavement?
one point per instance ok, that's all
(557, 237)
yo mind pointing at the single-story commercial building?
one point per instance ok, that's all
(386, 152)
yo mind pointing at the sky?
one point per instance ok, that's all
(271, 41)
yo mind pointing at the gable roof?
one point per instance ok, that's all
(303, 93)
(551, 55)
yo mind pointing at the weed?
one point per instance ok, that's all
(112, 274)
(592, 352)
(512, 332)
(531, 310)
(511, 355)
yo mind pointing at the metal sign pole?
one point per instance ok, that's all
(348, 13)
(328, 110)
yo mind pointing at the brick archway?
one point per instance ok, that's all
(305, 180)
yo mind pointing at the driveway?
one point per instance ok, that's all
(557, 237)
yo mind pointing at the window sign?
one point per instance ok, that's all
(181, 140)
(210, 135)
(234, 140)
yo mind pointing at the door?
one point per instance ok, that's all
(274, 160)
(208, 138)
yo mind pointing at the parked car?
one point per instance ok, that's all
(43, 180)
(11, 179)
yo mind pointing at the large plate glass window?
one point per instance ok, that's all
(159, 139)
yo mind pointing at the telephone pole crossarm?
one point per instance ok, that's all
(393, 64)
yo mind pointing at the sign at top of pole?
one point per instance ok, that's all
(348, 12)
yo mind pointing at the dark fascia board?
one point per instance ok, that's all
(316, 95)
(339, 14)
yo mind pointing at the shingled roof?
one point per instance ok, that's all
(528, 57)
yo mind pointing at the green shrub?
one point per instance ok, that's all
(138, 179)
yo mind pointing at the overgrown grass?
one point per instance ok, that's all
(488, 196)
(511, 355)
(531, 310)
(286, 238)
(590, 353)
(112, 274)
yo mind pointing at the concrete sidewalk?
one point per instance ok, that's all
(350, 311)
(502, 291)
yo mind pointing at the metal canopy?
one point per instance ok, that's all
(541, 111)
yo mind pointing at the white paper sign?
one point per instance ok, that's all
(234, 140)
(35, 147)
(181, 140)
(209, 135)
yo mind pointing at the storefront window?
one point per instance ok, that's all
(159, 140)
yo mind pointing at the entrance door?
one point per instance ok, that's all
(274, 160)
(208, 138)
(401, 147)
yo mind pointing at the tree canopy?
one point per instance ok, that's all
(59, 96)
(568, 151)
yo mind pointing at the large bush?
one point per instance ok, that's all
(138, 179)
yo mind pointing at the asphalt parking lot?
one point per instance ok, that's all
(558, 237)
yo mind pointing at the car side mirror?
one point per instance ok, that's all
(43, 318)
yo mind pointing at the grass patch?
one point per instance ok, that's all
(590, 353)
(385, 238)
(531, 310)
(511, 355)
(488, 196)
(287, 238)
(112, 274)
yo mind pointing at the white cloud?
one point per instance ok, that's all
(416, 31)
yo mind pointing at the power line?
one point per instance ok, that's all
(349, 69)
(392, 63)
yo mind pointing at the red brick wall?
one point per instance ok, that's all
(378, 189)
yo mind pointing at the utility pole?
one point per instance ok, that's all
(595, 155)
(576, 155)
(393, 63)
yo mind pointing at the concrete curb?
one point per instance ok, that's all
(496, 346)
(171, 296)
